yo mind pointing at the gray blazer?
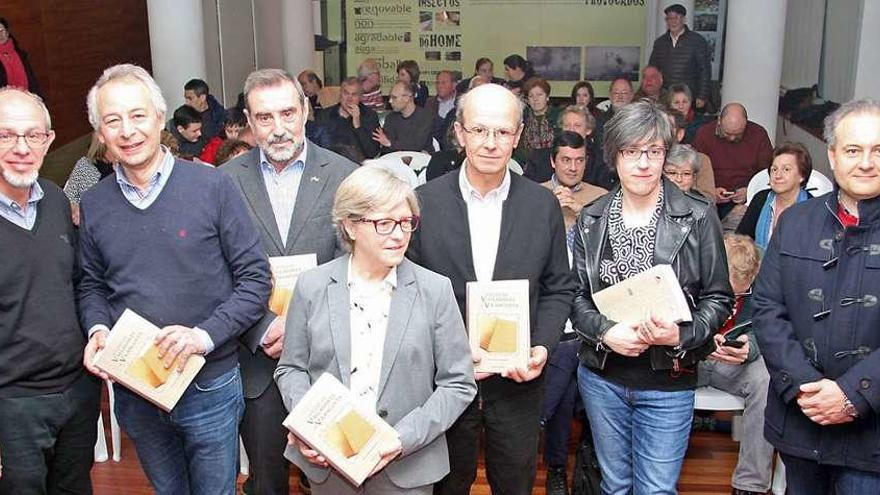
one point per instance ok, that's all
(427, 377)
(311, 231)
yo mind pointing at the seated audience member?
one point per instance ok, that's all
(231, 148)
(738, 149)
(738, 369)
(232, 126)
(569, 159)
(186, 127)
(311, 85)
(350, 122)
(484, 68)
(197, 95)
(408, 127)
(539, 127)
(583, 94)
(370, 81)
(651, 85)
(789, 173)
(383, 309)
(49, 405)
(683, 167)
(576, 118)
(679, 98)
(620, 94)
(444, 101)
(97, 164)
(518, 71)
(408, 72)
(638, 377)
(704, 181)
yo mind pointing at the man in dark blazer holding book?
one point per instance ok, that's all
(288, 184)
(483, 223)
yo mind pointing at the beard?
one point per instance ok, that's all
(21, 181)
(284, 154)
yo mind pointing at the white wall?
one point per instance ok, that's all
(803, 43)
(839, 59)
(868, 66)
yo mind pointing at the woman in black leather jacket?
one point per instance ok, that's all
(637, 378)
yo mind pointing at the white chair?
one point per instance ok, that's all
(817, 184)
(415, 160)
(515, 167)
(435, 144)
(712, 399)
(396, 167)
(603, 105)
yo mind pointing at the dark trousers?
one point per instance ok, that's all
(265, 439)
(560, 400)
(48, 441)
(807, 477)
(511, 426)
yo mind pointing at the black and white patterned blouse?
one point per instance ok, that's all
(632, 249)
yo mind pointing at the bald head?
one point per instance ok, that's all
(732, 122)
(480, 99)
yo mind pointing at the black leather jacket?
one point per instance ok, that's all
(688, 238)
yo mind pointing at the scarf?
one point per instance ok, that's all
(15, 73)
(764, 228)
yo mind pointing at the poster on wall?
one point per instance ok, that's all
(565, 40)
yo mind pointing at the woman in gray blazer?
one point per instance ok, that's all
(387, 329)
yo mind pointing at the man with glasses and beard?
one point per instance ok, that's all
(288, 184)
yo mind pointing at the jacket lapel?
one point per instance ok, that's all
(312, 184)
(340, 319)
(398, 319)
(673, 226)
(255, 191)
(460, 234)
(508, 216)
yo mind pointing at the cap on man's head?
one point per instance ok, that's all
(676, 8)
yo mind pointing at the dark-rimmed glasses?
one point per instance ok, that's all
(32, 138)
(385, 226)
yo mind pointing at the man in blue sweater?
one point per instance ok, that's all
(172, 241)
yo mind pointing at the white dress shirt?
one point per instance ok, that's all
(282, 188)
(484, 222)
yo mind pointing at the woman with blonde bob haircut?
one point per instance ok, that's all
(387, 329)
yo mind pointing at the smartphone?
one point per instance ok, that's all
(728, 194)
(736, 344)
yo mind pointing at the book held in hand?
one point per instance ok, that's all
(330, 421)
(654, 292)
(498, 323)
(285, 271)
(131, 358)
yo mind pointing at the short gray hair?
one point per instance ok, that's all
(635, 123)
(265, 78)
(679, 88)
(120, 72)
(465, 98)
(39, 101)
(684, 154)
(865, 105)
(578, 110)
(365, 190)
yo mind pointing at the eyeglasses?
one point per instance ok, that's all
(780, 170)
(33, 139)
(654, 154)
(481, 133)
(679, 174)
(385, 226)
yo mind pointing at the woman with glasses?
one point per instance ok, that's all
(682, 166)
(789, 172)
(389, 330)
(638, 377)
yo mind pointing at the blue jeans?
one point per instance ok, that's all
(641, 436)
(192, 450)
(808, 477)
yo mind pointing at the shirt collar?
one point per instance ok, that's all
(36, 194)
(390, 280)
(469, 192)
(301, 158)
(162, 171)
(556, 183)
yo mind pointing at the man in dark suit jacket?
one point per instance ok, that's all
(485, 224)
(288, 184)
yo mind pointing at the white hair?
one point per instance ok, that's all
(119, 72)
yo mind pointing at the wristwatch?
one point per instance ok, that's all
(850, 409)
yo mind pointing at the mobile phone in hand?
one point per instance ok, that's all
(736, 344)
